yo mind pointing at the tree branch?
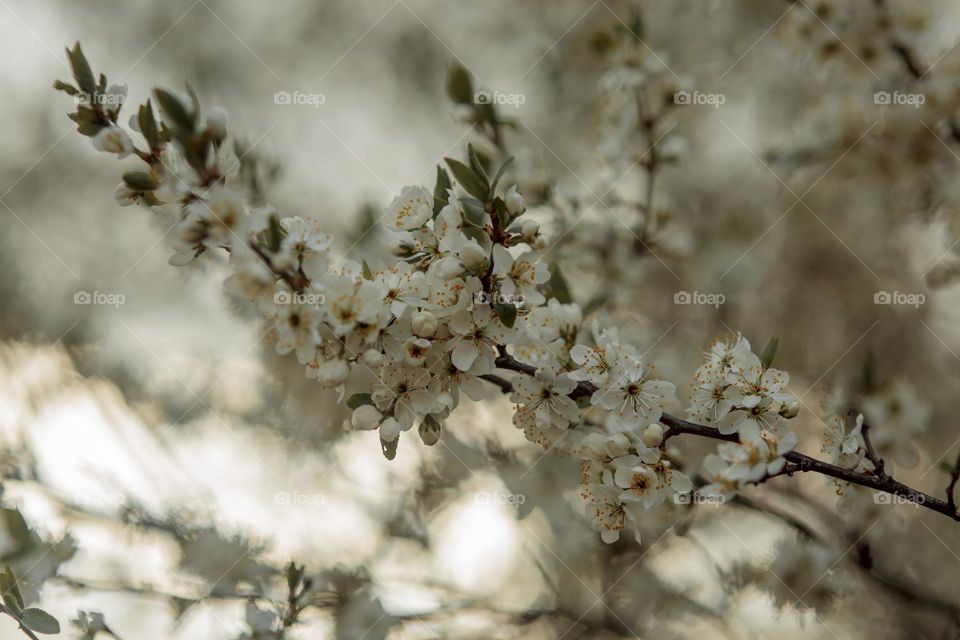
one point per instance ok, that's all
(797, 462)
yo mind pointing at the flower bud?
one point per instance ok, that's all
(529, 230)
(365, 418)
(514, 201)
(113, 139)
(473, 256)
(217, 121)
(430, 430)
(390, 429)
(448, 268)
(653, 435)
(790, 409)
(424, 324)
(372, 358)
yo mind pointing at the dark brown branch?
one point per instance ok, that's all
(952, 485)
(797, 462)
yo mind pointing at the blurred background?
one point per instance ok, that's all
(701, 169)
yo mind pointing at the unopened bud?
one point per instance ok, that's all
(430, 430)
(653, 435)
(514, 201)
(529, 230)
(365, 418)
(424, 324)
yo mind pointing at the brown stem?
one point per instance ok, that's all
(797, 462)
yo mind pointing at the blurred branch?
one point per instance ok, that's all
(862, 559)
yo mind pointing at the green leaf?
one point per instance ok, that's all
(506, 312)
(10, 591)
(477, 163)
(769, 352)
(148, 125)
(557, 286)
(59, 85)
(389, 448)
(367, 272)
(503, 169)
(40, 621)
(440, 199)
(81, 70)
(468, 179)
(294, 575)
(140, 181)
(86, 119)
(358, 400)
(274, 234)
(174, 110)
(459, 85)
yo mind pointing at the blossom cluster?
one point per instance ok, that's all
(740, 393)
(467, 295)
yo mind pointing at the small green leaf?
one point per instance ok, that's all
(175, 111)
(557, 286)
(389, 448)
(40, 621)
(507, 313)
(148, 125)
(459, 85)
(769, 352)
(274, 234)
(10, 591)
(367, 272)
(468, 179)
(503, 169)
(140, 181)
(358, 400)
(440, 199)
(477, 163)
(294, 575)
(66, 88)
(81, 70)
